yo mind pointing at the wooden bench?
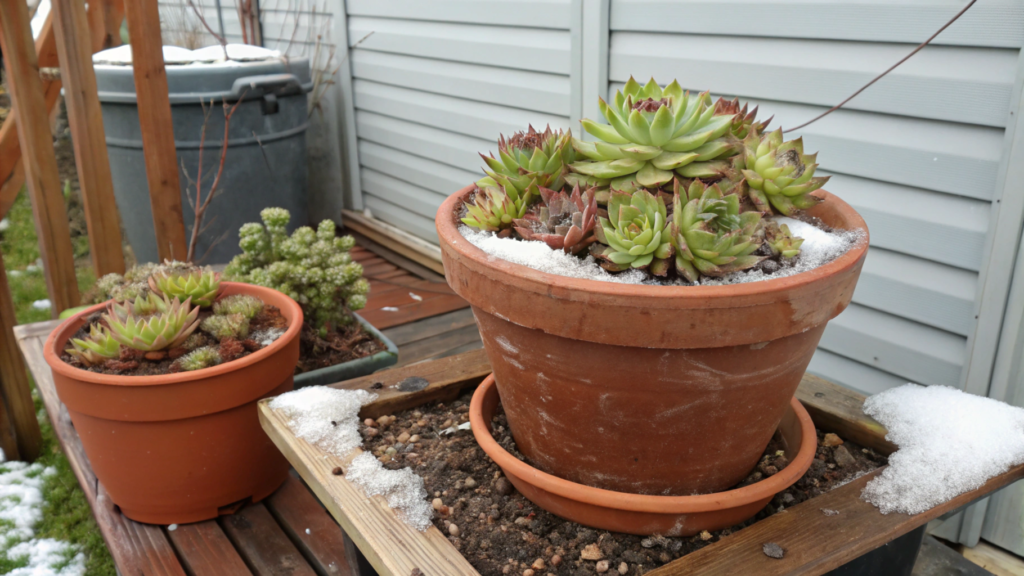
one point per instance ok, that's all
(289, 533)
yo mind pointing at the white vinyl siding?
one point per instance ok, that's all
(436, 82)
(917, 154)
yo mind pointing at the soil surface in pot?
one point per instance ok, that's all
(347, 343)
(134, 363)
(500, 532)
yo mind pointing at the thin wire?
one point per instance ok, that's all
(893, 67)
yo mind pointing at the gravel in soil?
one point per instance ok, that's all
(500, 532)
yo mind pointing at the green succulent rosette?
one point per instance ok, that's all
(157, 332)
(652, 134)
(202, 287)
(781, 240)
(529, 159)
(710, 235)
(779, 174)
(634, 235)
(496, 208)
(98, 347)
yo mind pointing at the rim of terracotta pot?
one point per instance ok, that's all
(721, 296)
(53, 349)
(642, 502)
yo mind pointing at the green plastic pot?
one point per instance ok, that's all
(352, 368)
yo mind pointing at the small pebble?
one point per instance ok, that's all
(172, 527)
(503, 486)
(422, 423)
(437, 503)
(337, 471)
(556, 560)
(538, 564)
(453, 529)
(771, 470)
(403, 437)
(308, 531)
(829, 512)
(528, 572)
(470, 483)
(417, 414)
(391, 451)
(370, 432)
(664, 557)
(843, 457)
(447, 423)
(414, 438)
(591, 552)
(601, 567)
(369, 422)
(705, 536)
(831, 440)
(773, 550)
(623, 568)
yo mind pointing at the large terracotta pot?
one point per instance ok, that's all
(647, 389)
(177, 448)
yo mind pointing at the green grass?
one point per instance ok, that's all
(66, 513)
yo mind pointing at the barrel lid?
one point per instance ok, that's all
(211, 73)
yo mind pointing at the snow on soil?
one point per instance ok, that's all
(819, 248)
(329, 419)
(21, 508)
(949, 443)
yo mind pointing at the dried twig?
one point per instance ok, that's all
(200, 204)
(202, 19)
(880, 76)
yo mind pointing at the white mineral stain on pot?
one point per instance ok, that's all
(514, 362)
(759, 345)
(506, 345)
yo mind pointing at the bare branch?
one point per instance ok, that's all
(220, 39)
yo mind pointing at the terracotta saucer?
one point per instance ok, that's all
(639, 513)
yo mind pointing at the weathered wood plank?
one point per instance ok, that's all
(396, 258)
(312, 529)
(438, 345)
(430, 327)
(12, 186)
(20, 437)
(205, 549)
(157, 130)
(414, 311)
(29, 106)
(838, 409)
(816, 543)
(445, 377)
(87, 135)
(105, 17)
(405, 244)
(392, 547)
(262, 543)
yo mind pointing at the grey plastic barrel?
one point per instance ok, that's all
(266, 159)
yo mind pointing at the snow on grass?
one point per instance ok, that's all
(819, 248)
(329, 419)
(21, 508)
(949, 443)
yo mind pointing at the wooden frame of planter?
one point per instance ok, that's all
(813, 542)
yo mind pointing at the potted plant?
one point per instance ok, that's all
(162, 388)
(671, 375)
(315, 269)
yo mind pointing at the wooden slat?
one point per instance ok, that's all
(838, 410)
(398, 260)
(400, 218)
(813, 542)
(86, 121)
(401, 242)
(136, 548)
(312, 529)
(428, 328)
(438, 345)
(263, 545)
(28, 100)
(205, 549)
(12, 186)
(12, 376)
(414, 311)
(105, 18)
(156, 127)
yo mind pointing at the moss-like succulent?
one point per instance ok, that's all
(202, 286)
(244, 304)
(199, 358)
(313, 267)
(98, 347)
(157, 332)
(222, 326)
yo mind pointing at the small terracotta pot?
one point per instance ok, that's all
(647, 389)
(641, 514)
(177, 448)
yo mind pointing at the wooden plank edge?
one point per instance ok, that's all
(396, 239)
(409, 550)
(397, 259)
(840, 410)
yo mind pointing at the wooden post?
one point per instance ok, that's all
(17, 395)
(86, 121)
(10, 148)
(157, 131)
(105, 17)
(40, 163)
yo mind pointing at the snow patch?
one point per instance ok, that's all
(949, 443)
(819, 248)
(21, 508)
(176, 56)
(267, 337)
(329, 419)
(403, 489)
(43, 304)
